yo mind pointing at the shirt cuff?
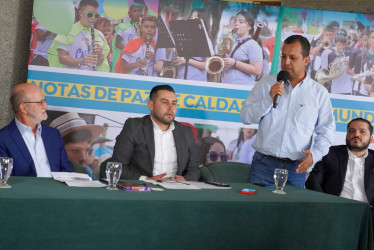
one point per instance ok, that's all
(142, 178)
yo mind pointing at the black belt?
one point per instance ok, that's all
(283, 160)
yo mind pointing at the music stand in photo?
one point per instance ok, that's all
(191, 39)
(165, 39)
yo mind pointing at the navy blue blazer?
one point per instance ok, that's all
(328, 175)
(13, 145)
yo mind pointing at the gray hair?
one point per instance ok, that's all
(16, 98)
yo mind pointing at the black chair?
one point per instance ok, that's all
(225, 172)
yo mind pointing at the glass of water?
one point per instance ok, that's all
(113, 173)
(280, 179)
(6, 166)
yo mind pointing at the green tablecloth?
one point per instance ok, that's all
(39, 213)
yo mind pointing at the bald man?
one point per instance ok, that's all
(36, 149)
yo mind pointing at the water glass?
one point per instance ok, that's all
(113, 173)
(280, 179)
(6, 166)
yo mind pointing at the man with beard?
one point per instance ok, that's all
(156, 147)
(348, 170)
(36, 149)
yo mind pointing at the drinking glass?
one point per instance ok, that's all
(6, 166)
(280, 179)
(113, 172)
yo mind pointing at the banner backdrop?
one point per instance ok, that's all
(109, 92)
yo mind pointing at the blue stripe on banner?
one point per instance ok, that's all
(130, 83)
(128, 95)
(199, 102)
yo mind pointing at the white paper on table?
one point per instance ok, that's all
(70, 176)
(75, 183)
(185, 185)
(174, 184)
(206, 186)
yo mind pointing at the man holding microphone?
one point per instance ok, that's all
(296, 123)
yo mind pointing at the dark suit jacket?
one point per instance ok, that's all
(135, 148)
(13, 145)
(328, 175)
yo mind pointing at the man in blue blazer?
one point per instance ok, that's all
(36, 149)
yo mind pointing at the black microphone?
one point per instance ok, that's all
(282, 77)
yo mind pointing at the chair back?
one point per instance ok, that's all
(225, 172)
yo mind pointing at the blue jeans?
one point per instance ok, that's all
(262, 171)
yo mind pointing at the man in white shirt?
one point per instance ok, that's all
(156, 147)
(36, 149)
(348, 170)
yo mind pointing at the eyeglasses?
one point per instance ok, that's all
(341, 32)
(91, 14)
(42, 102)
(213, 156)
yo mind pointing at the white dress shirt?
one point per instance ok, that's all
(165, 160)
(36, 149)
(354, 178)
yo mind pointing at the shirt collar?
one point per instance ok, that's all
(25, 129)
(241, 39)
(304, 81)
(156, 127)
(353, 156)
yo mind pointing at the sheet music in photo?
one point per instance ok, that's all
(191, 38)
(165, 39)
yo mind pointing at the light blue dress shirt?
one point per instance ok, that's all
(302, 120)
(36, 149)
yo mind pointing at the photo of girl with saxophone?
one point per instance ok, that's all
(137, 57)
(244, 63)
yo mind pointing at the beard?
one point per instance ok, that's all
(42, 116)
(163, 118)
(357, 148)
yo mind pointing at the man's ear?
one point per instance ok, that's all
(22, 108)
(150, 105)
(306, 60)
(371, 139)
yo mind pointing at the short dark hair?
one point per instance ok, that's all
(305, 45)
(148, 18)
(329, 28)
(83, 135)
(334, 24)
(341, 39)
(362, 120)
(85, 3)
(136, 5)
(156, 88)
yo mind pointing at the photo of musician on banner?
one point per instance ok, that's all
(161, 39)
(238, 40)
(342, 48)
(86, 39)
